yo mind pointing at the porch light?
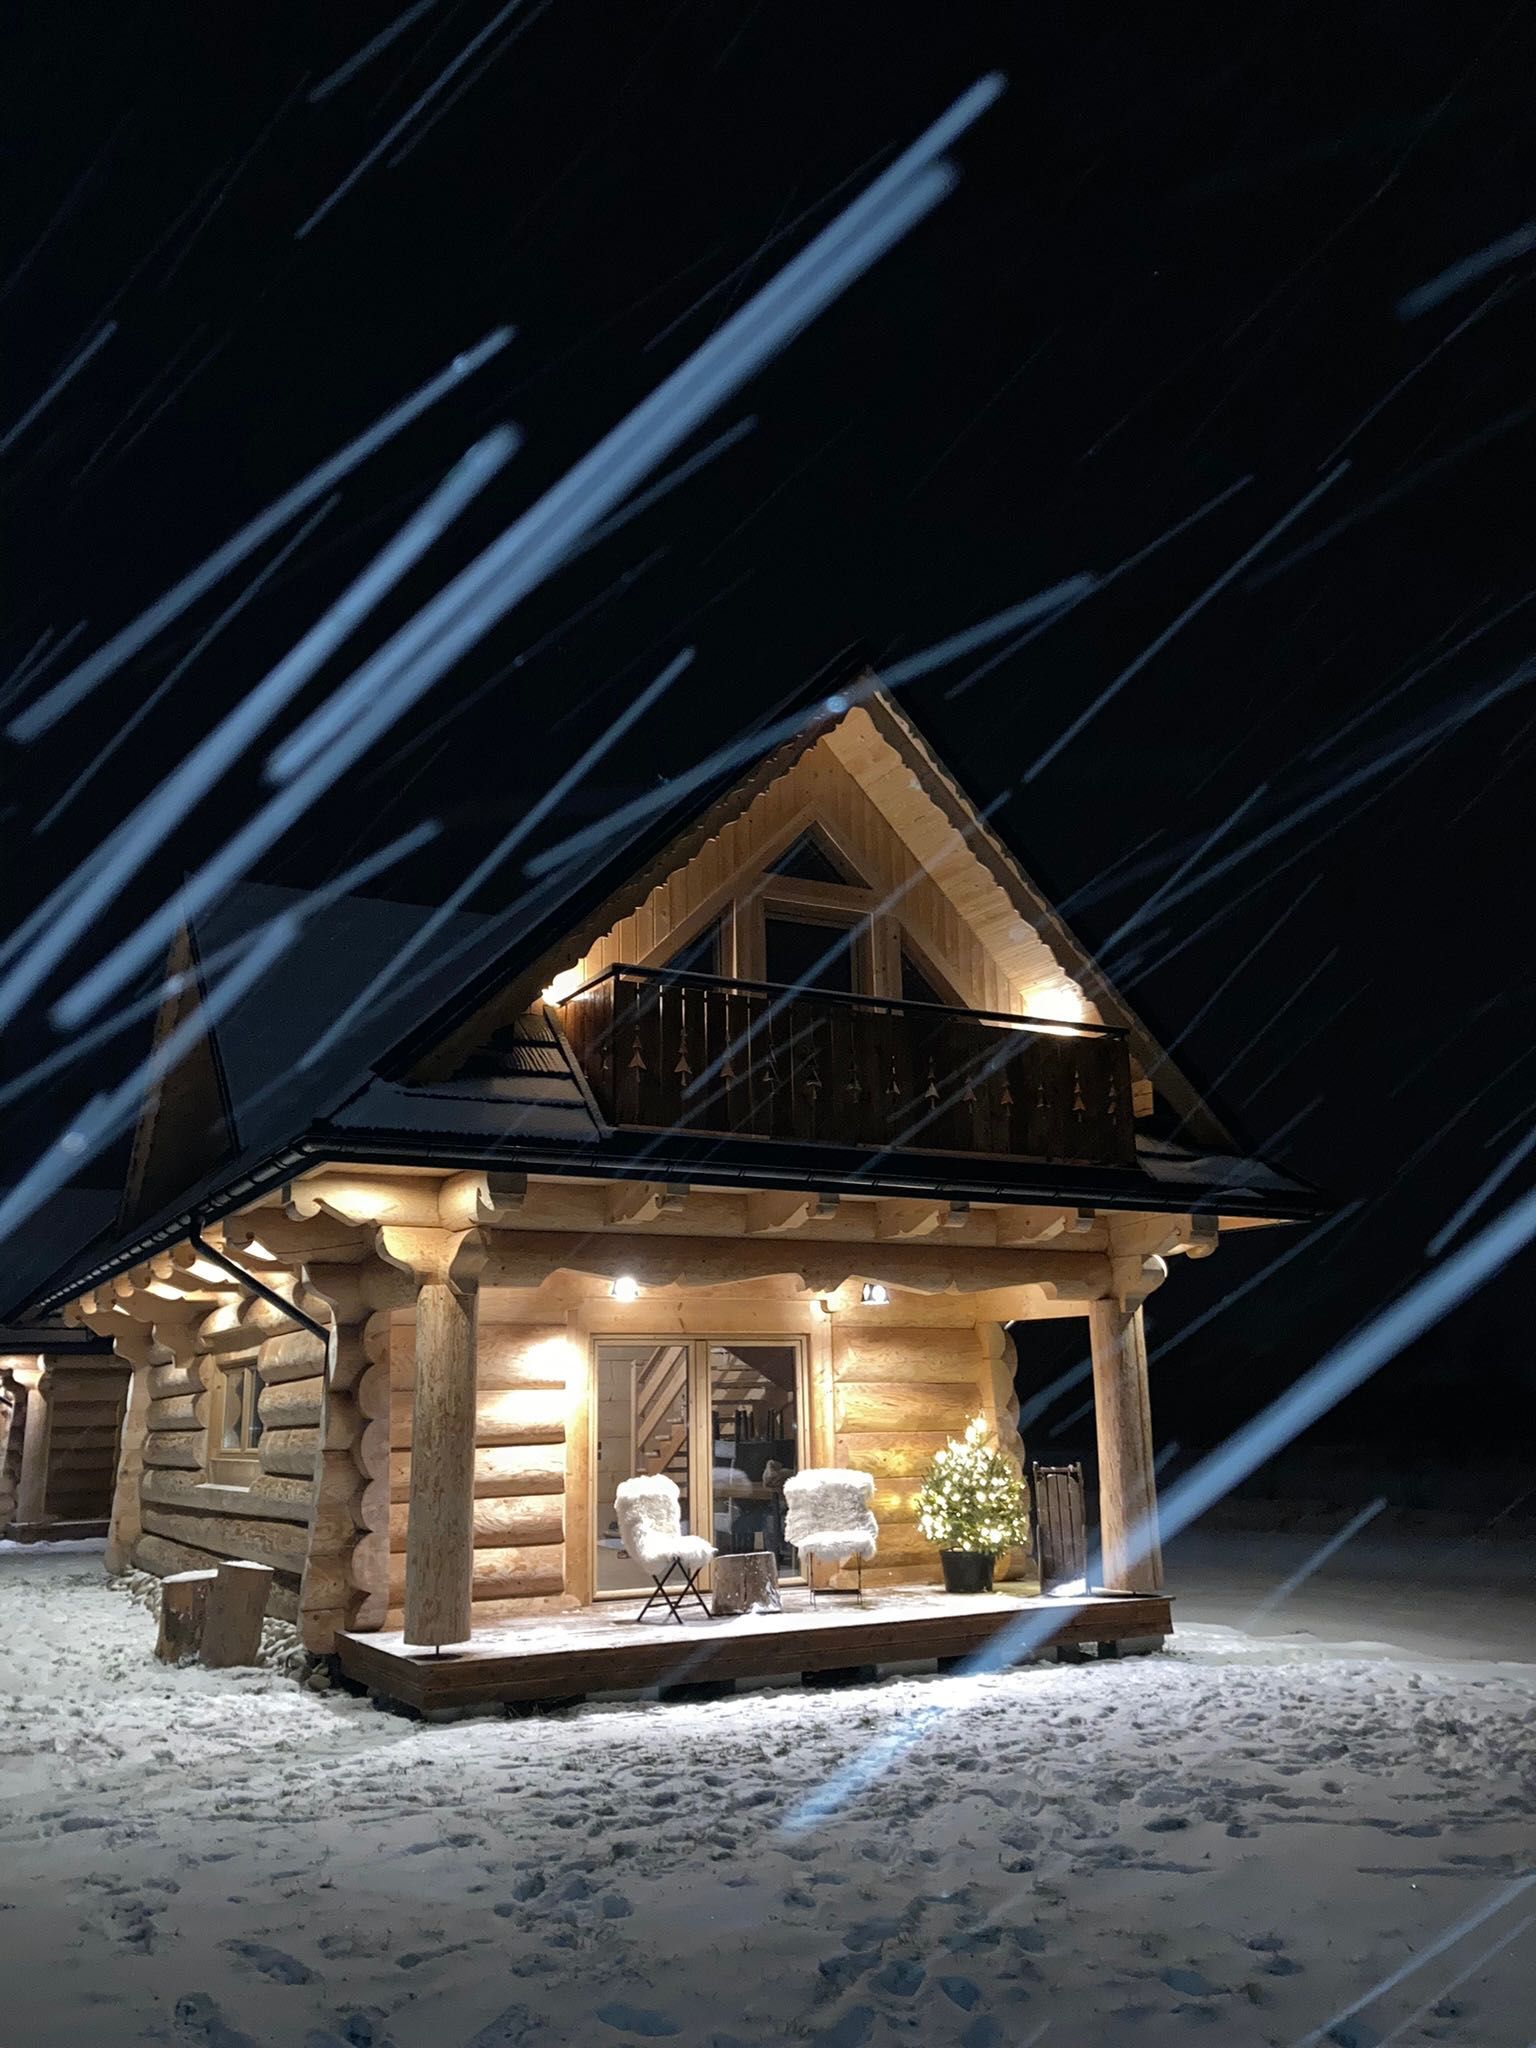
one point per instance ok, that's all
(625, 1288)
(1064, 1003)
(565, 983)
(874, 1295)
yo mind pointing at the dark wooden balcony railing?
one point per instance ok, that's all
(664, 1050)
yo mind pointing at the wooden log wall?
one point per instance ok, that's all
(283, 1518)
(898, 1395)
(519, 1483)
(85, 1404)
(13, 1418)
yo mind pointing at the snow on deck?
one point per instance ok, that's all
(1237, 1840)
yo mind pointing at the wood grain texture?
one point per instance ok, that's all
(514, 1415)
(912, 1406)
(293, 1404)
(440, 1540)
(1132, 1557)
(618, 1662)
(508, 1522)
(177, 1447)
(516, 1573)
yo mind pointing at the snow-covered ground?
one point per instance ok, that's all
(1240, 1840)
(1459, 1597)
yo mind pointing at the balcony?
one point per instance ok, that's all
(665, 1050)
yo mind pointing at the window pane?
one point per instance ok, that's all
(811, 860)
(755, 1430)
(704, 954)
(252, 1410)
(915, 985)
(793, 950)
(236, 1381)
(642, 1427)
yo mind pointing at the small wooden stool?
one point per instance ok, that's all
(746, 1582)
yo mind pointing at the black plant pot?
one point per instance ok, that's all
(967, 1571)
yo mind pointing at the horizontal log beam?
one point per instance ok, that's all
(891, 1454)
(294, 1404)
(913, 1405)
(508, 1470)
(511, 1356)
(175, 1447)
(179, 1412)
(166, 1381)
(513, 1416)
(907, 1354)
(526, 1258)
(89, 1415)
(296, 1355)
(269, 1495)
(279, 1544)
(512, 1521)
(290, 1451)
(500, 1574)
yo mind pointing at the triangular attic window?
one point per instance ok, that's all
(810, 860)
(916, 986)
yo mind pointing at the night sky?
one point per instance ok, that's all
(1172, 265)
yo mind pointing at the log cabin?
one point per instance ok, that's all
(742, 1152)
(61, 1426)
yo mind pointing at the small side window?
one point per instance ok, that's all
(234, 1434)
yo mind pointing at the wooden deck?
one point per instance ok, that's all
(602, 1649)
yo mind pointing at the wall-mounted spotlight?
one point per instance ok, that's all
(874, 1295)
(625, 1288)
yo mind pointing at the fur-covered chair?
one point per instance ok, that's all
(650, 1519)
(829, 1517)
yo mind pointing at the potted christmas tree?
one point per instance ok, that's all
(972, 1505)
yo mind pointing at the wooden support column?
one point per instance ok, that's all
(125, 1526)
(1132, 1557)
(32, 1482)
(440, 1528)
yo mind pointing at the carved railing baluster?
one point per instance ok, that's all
(711, 1055)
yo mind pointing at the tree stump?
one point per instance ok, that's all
(183, 1603)
(235, 1605)
(746, 1582)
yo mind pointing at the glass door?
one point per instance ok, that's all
(642, 1409)
(722, 1417)
(754, 1406)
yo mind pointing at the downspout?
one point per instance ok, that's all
(268, 1294)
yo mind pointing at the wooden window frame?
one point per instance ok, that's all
(742, 904)
(232, 1467)
(701, 1449)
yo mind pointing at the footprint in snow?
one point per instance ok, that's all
(983, 2032)
(272, 1963)
(899, 1978)
(962, 1992)
(1190, 1983)
(516, 2027)
(637, 2019)
(355, 2030)
(851, 2030)
(199, 2020)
